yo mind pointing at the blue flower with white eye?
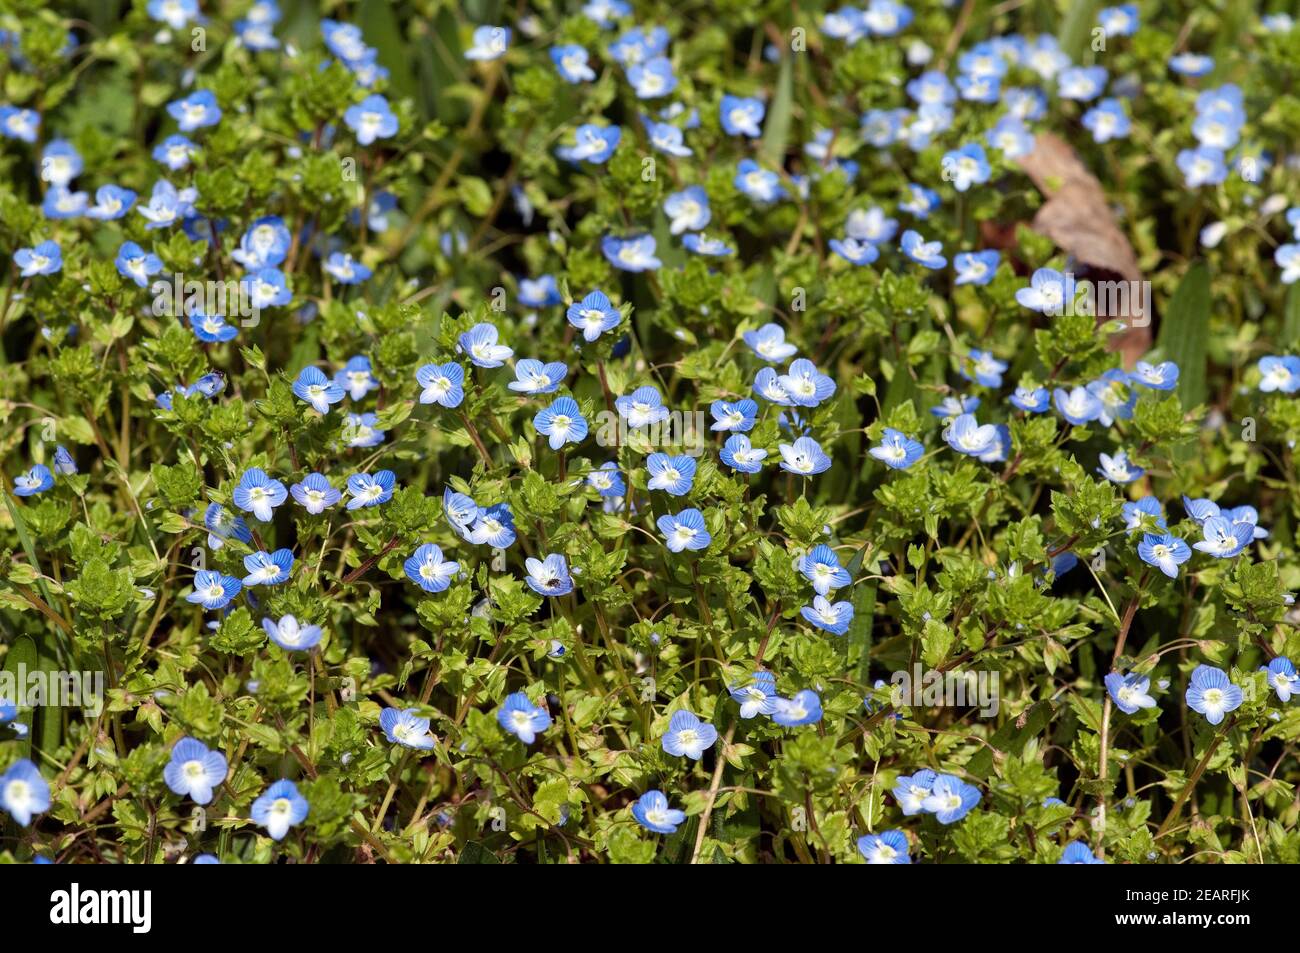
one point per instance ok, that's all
(870, 225)
(540, 293)
(1011, 137)
(591, 143)
(966, 435)
(643, 407)
(256, 35)
(267, 288)
(1282, 678)
(1081, 83)
(983, 367)
(1202, 166)
(1119, 21)
(684, 530)
(135, 263)
(561, 423)
(1078, 406)
(315, 493)
(1200, 510)
(931, 87)
(881, 127)
(291, 636)
(195, 111)
(549, 576)
(757, 695)
(1212, 693)
(673, 475)
(1162, 376)
(887, 847)
(176, 14)
(1119, 469)
(571, 60)
(1224, 539)
(194, 770)
(687, 210)
(741, 455)
(265, 244)
(1107, 120)
(258, 494)
(805, 708)
(1246, 515)
(955, 406)
(831, 617)
(371, 119)
(652, 812)
(844, 24)
(1032, 400)
(495, 527)
(36, 480)
(488, 43)
(46, 258)
(460, 510)
(8, 710)
(522, 718)
(1130, 692)
(355, 377)
(314, 388)
(212, 328)
(174, 152)
(950, 798)
(738, 416)
(1048, 292)
(897, 450)
(480, 343)
(978, 89)
(687, 736)
(1191, 64)
(666, 138)
(1117, 399)
(910, 791)
(213, 590)
(344, 40)
(23, 792)
(604, 12)
(279, 808)
(406, 728)
(1279, 374)
(805, 385)
(637, 46)
(804, 457)
(929, 254)
(366, 490)
(359, 430)
(63, 462)
(630, 254)
(607, 481)
(741, 116)
(222, 525)
(975, 267)
(653, 78)
(443, 384)
(268, 569)
(758, 183)
(1077, 852)
(1287, 257)
(1145, 512)
(60, 163)
(345, 269)
(769, 343)
(427, 568)
(594, 315)
(167, 205)
(966, 166)
(709, 247)
(534, 377)
(854, 251)
(822, 568)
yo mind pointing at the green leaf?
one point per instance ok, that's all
(1185, 333)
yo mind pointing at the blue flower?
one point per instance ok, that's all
(1245, 515)
(1107, 120)
(950, 798)
(741, 116)
(1130, 692)
(653, 813)
(268, 569)
(1081, 83)
(666, 138)
(931, 87)
(1048, 292)
(1212, 693)
(44, 259)
(955, 406)
(637, 46)
(769, 343)
(561, 423)
(1162, 376)
(175, 13)
(428, 570)
(359, 430)
(687, 736)
(594, 315)
(194, 770)
(1117, 399)
(313, 387)
(1118, 469)
(406, 728)
(1287, 258)
(757, 695)
(641, 408)
(805, 708)
(607, 481)
(1202, 166)
(983, 367)
(63, 462)
(495, 527)
(1119, 21)
(36, 480)
(367, 490)
(460, 510)
(1032, 400)
(1143, 513)
(803, 457)
(897, 450)
(167, 205)
(1282, 677)
(737, 416)
(652, 79)
(488, 43)
(919, 201)
(534, 377)
(855, 251)
(480, 343)
(965, 167)
(222, 524)
(541, 293)
(805, 385)
(23, 792)
(687, 210)
(910, 791)
(371, 119)
(1078, 406)
(522, 718)
(135, 263)
(1281, 374)
(1011, 137)
(674, 475)
(355, 377)
(258, 494)
(1077, 852)
(758, 183)
(443, 384)
(739, 454)
(291, 636)
(213, 590)
(265, 244)
(267, 288)
(887, 847)
(684, 530)
(1166, 552)
(279, 808)
(174, 152)
(571, 61)
(212, 328)
(195, 111)
(346, 270)
(966, 435)
(830, 617)
(591, 143)
(929, 254)
(549, 576)
(1191, 64)
(1224, 539)
(975, 267)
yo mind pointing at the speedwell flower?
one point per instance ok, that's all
(522, 718)
(1212, 693)
(428, 570)
(687, 736)
(194, 770)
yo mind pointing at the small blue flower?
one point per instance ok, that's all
(673, 475)
(757, 695)
(355, 377)
(443, 384)
(1119, 21)
(666, 138)
(313, 387)
(222, 525)
(804, 457)
(684, 530)
(521, 718)
(757, 183)
(1130, 692)
(36, 480)
(268, 569)
(488, 43)
(45, 258)
(174, 152)
(20, 124)
(975, 267)
(460, 510)
(406, 728)
(1212, 693)
(1145, 512)
(805, 385)
(1247, 515)
(805, 708)
(265, 244)
(919, 201)
(594, 315)
(831, 617)
(366, 490)
(1117, 398)
(1118, 469)
(1282, 678)
(571, 61)
(267, 288)
(897, 450)
(1287, 257)
(1011, 137)
(641, 408)
(607, 481)
(1077, 852)
(739, 454)
(279, 808)
(549, 576)
(167, 205)
(741, 116)
(345, 269)
(822, 568)
(1107, 120)
(534, 377)
(1081, 83)
(956, 405)
(561, 423)
(175, 13)
(1166, 552)
(737, 416)
(359, 430)
(212, 328)
(371, 119)
(687, 736)
(291, 636)
(1191, 64)
(966, 435)
(591, 143)
(1047, 293)
(63, 462)
(427, 568)
(1224, 539)
(213, 590)
(1032, 400)
(653, 813)
(910, 791)
(23, 792)
(950, 798)
(653, 78)
(983, 367)
(1280, 374)
(480, 343)
(769, 343)
(1202, 166)
(965, 167)
(258, 494)
(195, 111)
(855, 251)
(929, 254)
(1078, 406)
(194, 771)
(540, 293)
(494, 526)
(135, 263)
(887, 847)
